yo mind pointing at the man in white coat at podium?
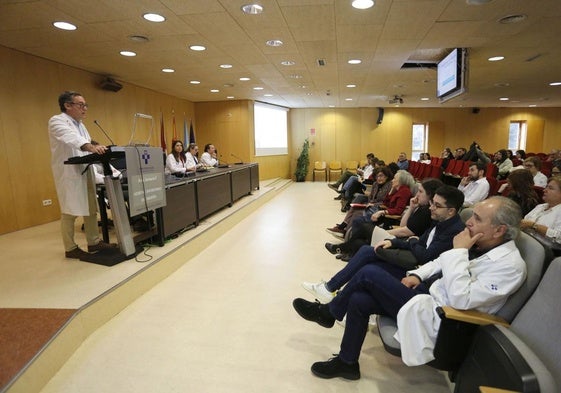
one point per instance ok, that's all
(75, 190)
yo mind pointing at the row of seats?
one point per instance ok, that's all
(335, 169)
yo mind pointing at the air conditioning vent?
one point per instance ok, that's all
(321, 62)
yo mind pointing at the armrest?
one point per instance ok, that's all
(487, 389)
(471, 316)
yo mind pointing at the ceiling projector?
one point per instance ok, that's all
(396, 100)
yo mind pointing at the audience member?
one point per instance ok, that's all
(521, 155)
(556, 169)
(520, 188)
(460, 153)
(380, 189)
(362, 227)
(424, 158)
(545, 218)
(370, 161)
(503, 163)
(480, 272)
(209, 158)
(356, 184)
(534, 165)
(398, 255)
(176, 161)
(446, 156)
(476, 154)
(402, 161)
(475, 185)
(75, 184)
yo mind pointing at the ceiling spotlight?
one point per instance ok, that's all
(274, 43)
(512, 19)
(195, 82)
(168, 70)
(362, 4)
(504, 99)
(214, 91)
(197, 48)
(555, 84)
(154, 18)
(258, 88)
(138, 38)
(288, 63)
(225, 65)
(351, 86)
(127, 53)
(396, 100)
(354, 61)
(496, 58)
(252, 9)
(64, 26)
(244, 79)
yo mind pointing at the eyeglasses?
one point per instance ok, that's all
(437, 206)
(80, 105)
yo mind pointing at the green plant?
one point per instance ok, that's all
(303, 162)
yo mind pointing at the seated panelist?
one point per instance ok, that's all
(176, 161)
(209, 157)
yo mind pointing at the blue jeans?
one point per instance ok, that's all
(372, 290)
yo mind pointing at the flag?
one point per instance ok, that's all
(173, 125)
(185, 140)
(191, 133)
(162, 133)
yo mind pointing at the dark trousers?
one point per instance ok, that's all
(372, 290)
(365, 256)
(361, 234)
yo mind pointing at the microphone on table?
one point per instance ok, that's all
(107, 135)
(239, 158)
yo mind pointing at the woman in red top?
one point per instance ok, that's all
(362, 227)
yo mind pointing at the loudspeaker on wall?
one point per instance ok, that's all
(380, 115)
(110, 84)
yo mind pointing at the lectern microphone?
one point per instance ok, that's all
(107, 135)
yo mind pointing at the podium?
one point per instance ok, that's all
(146, 184)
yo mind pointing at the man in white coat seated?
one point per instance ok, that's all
(75, 188)
(480, 272)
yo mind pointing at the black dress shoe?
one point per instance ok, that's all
(315, 312)
(345, 257)
(335, 367)
(333, 248)
(338, 198)
(333, 186)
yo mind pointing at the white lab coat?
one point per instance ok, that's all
(483, 284)
(208, 160)
(66, 138)
(175, 166)
(191, 161)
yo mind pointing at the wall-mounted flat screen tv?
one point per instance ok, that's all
(451, 75)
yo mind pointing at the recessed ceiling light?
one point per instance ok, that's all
(258, 88)
(295, 76)
(197, 48)
(503, 99)
(244, 78)
(555, 84)
(127, 53)
(425, 99)
(512, 19)
(332, 106)
(214, 91)
(288, 63)
(154, 17)
(348, 99)
(502, 84)
(354, 61)
(350, 86)
(228, 85)
(138, 38)
(478, 2)
(252, 9)
(225, 65)
(274, 43)
(267, 95)
(496, 58)
(168, 70)
(64, 26)
(362, 4)
(195, 82)
(230, 97)
(532, 105)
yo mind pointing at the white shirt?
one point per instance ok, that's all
(551, 218)
(367, 172)
(475, 191)
(540, 180)
(175, 166)
(208, 160)
(191, 162)
(483, 284)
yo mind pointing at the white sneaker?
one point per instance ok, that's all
(371, 321)
(319, 290)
